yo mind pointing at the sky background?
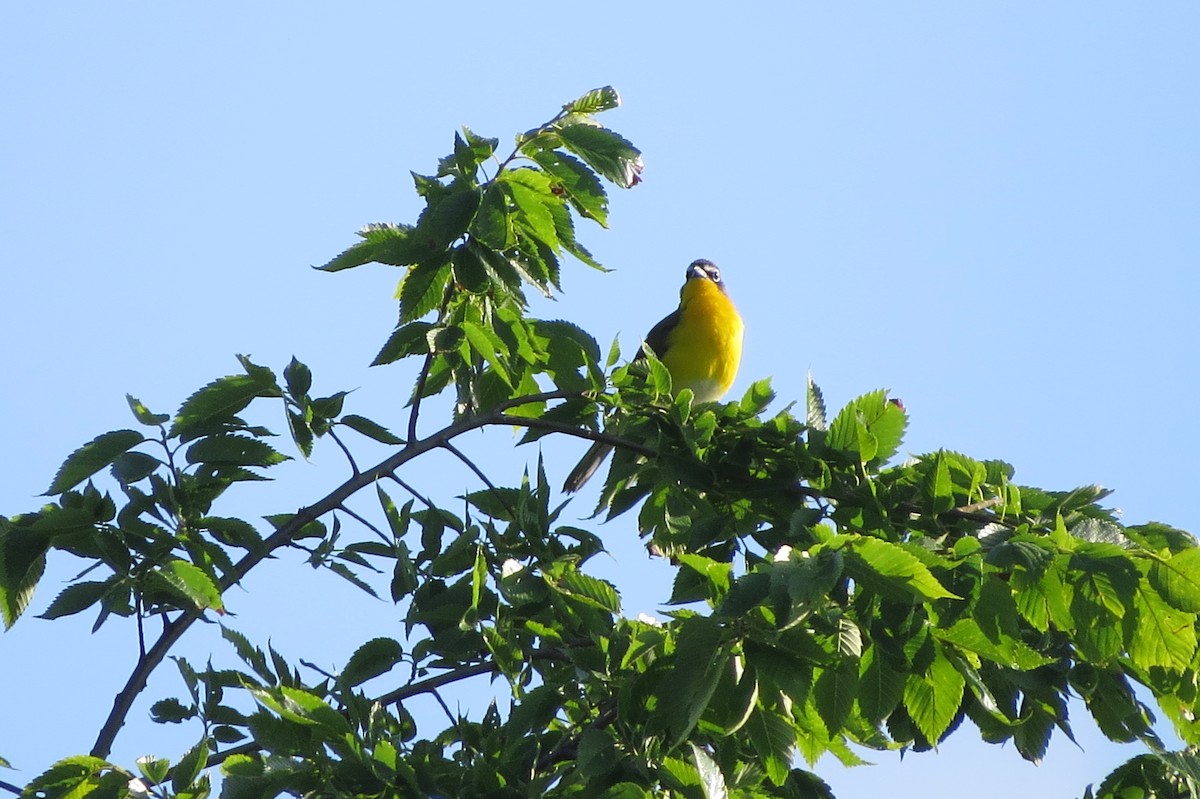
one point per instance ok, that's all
(991, 209)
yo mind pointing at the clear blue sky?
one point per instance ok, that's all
(991, 209)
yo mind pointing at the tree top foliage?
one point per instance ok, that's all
(826, 599)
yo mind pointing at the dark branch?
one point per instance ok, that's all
(283, 536)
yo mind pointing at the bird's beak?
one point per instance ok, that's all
(695, 271)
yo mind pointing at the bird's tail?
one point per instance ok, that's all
(587, 466)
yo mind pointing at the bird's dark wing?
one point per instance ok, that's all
(657, 337)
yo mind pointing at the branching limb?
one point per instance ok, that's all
(283, 536)
(456, 452)
(345, 450)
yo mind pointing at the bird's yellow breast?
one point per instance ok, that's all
(705, 347)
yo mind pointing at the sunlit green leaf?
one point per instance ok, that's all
(92, 457)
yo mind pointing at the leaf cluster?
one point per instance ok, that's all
(826, 598)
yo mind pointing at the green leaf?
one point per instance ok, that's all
(298, 378)
(898, 569)
(22, 562)
(814, 405)
(92, 457)
(221, 399)
(385, 243)
(187, 770)
(695, 670)
(155, 769)
(171, 711)
(422, 288)
(303, 707)
(880, 686)
(234, 450)
(447, 217)
(1162, 636)
(834, 692)
(933, 698)
(472, 151)
(1177, 579)
(471, 272)
(530, 191)
(409, 339)
(375, 657)
(602, 99)
(132, 467)
(493, 223)
(76, 598)
(606, 152)
(232, 532)
(583, 189)
(597, 592)
(370, 429)
(143, 414)
(79, 776)
(711, 778)
(193, 584)
(774, 741)
(488, 346)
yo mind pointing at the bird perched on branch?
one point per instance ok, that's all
(700, 343)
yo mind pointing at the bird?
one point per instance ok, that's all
(700, 343)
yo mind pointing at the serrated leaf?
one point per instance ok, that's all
(834, 692)
(608, 153)
(712, 781)
(490, 347)
(234, 450)
(193, 584)
(187, 770)
(143, 414)
(132, 467)
(880, 686)
(1163, 636)
(232, 532)
(385, 243)
(92, 457)
(375, 657)
(370, 429)
(298, 378)
(583, 189)
(596, 591)
(932, 699)
(302, 707)
(493, 223)
(774, 741)
(531, 194)
(814, 405)
(409, 339)
(75, 599)
(899, 569)
(1177, 579)
(171, 711)
(447, 217)
(595, 101)
(222, 399)
(422, 288)
(695, 671)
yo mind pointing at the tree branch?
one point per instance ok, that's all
(146, 664)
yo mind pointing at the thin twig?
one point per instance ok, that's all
(345, 450)
(423, 375)
(283, 536)
(424, 499)
(358, 518)
(483, 477)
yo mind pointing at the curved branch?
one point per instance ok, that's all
(147, 663)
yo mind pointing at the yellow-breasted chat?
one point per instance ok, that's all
(700, 343)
